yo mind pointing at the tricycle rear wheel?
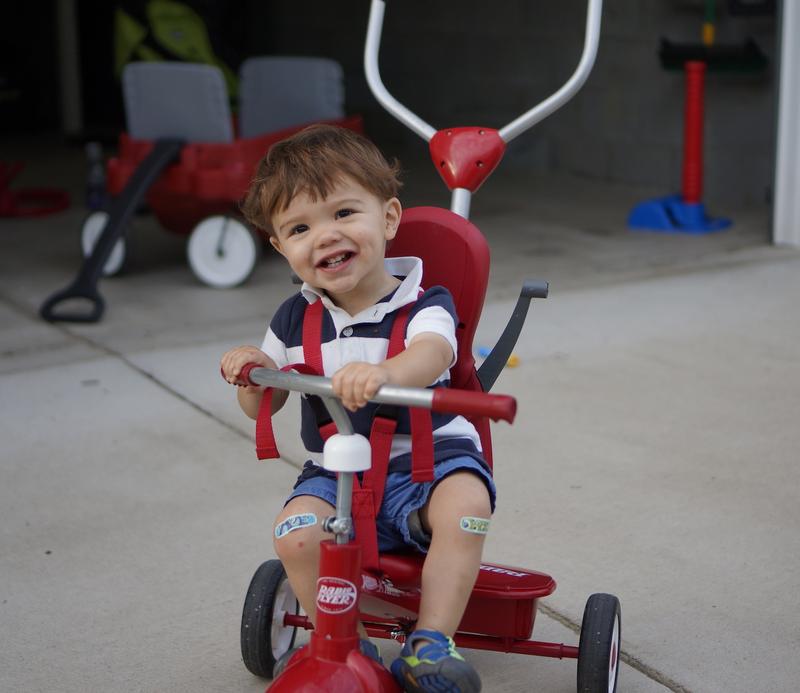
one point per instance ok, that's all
(598, 650)
(264, 637)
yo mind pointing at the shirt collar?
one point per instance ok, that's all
(410, 268)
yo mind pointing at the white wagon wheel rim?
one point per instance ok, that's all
(222, 251)
(90, 233)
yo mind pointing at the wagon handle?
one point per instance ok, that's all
(465, 402)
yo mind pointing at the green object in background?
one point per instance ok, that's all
(182, 31)
(129, 36)
(174, 27)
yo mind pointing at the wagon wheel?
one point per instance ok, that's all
(90, 232)
(223, 251)
(598, 650)
(264, 638)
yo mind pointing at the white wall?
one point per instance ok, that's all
(786, 218)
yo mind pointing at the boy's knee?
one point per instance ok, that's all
(296, 536)
(461, 503)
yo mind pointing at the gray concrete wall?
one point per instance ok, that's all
(476, 63)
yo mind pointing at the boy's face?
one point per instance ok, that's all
(338, 244)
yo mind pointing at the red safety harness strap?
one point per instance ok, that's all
(266, 447)
(368, 495)
(421, 445)
(312, 335)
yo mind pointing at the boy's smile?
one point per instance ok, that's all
(338, 244)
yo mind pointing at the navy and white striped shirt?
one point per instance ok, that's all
(365, 337)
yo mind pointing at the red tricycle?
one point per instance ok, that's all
(499, 616)
(385, 594)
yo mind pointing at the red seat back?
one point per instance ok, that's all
(455, 255)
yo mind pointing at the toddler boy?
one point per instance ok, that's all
(328, 200)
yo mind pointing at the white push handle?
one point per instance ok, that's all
(398, 110)
(515, 127)
(571, 86)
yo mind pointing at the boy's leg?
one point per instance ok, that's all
(429, 660)
(454, 557)
(296, 536)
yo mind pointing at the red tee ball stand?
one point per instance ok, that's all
(684, 213)
(332, 656)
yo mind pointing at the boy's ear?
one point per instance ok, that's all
(275, 243)
(392, 214)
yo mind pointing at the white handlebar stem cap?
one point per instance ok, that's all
(347, 453)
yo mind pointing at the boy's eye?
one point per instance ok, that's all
(300, 228)
(344, 213)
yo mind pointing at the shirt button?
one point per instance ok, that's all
(347, 331)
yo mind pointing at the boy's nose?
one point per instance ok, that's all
(328, 234)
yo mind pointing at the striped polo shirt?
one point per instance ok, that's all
(365, 337)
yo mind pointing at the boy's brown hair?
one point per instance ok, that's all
(313, 161)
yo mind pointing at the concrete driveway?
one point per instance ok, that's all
(655, 457)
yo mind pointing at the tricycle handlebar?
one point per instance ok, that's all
(465, 402)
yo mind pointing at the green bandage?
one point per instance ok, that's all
(475, 525)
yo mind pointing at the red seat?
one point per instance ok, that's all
(455, 255)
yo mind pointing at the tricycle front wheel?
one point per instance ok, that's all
(264, 637)
(598, 650)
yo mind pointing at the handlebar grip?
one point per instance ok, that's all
(496, 407)
(244, 374)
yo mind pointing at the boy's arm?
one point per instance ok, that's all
(426, 357)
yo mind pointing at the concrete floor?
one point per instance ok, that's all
(655, 453)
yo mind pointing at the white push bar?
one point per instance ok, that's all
(571, 86)
(374, 29)
(515, 127)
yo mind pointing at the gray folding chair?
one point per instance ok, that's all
(281, 92)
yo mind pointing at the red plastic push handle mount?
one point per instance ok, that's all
(465, 157)
(496, 407)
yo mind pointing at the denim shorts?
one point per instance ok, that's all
(398, 523)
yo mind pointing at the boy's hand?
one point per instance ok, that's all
(233, 361)
(356, 383)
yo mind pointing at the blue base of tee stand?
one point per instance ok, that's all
(673, 215)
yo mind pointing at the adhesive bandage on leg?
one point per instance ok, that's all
(294, 522)
(475, 525)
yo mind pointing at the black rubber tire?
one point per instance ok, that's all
(598, 650)
(257, 617)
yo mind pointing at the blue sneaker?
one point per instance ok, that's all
(367, 648)
(436, 668)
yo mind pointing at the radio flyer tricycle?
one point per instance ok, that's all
(384, 594)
